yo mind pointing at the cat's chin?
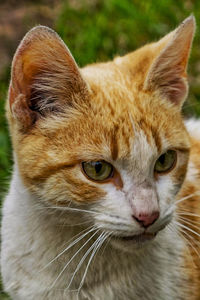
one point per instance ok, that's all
(128, 243)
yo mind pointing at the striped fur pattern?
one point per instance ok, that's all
(65, 236)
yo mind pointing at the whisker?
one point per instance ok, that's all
(107, 242)
(192, 222)
(187, 213)
(98, 245)
(190, 242)
(189, 245)
(73, 209)
(53, 284)
(71, 245)
(72, 225)
(187, 228)
(187, 197)
(189, 223)
(82, 260)
(186, 240)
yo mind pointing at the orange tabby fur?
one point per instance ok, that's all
(192, 205)
(108, 88)
(95, 121)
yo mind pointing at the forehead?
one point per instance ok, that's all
(131, 116)
(118, 121)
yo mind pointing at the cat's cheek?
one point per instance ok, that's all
(168, 185)
(166, 190)
(64, 187)
(179, 173)
(113, 207)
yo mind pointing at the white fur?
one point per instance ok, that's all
(31, 239)
(193, 127)
(36, 260)
(33, 235)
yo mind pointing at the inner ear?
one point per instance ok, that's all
(168, 72)
(45, 78)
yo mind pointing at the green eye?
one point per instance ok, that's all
(166, 162)
(98, 170)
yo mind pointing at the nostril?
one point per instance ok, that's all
(146, 219)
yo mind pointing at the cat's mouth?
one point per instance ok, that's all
(139, 238)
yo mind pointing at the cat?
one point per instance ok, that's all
(104, 198)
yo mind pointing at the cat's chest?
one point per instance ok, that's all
(128, 286)
(111, 275)
(127, 278)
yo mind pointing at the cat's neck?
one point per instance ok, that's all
(50, 235)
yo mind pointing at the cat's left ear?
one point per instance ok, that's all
(45, 78)
(167, 74)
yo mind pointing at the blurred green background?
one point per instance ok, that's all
(94, 30)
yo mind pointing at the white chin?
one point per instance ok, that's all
(129, 243)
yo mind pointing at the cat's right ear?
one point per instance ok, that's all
(44, 77)
(168, 72)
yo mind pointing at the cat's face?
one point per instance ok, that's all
(108, 139)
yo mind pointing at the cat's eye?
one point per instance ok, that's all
(166, 162)
(98, 170)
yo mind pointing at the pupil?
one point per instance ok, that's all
(162, 159)
(98, 167)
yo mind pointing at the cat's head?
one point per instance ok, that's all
(109, 138)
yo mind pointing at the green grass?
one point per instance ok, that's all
(98, 30)
(5, 150)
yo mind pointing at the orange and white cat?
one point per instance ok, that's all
(104, 201)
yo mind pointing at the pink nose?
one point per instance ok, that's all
(147, 219)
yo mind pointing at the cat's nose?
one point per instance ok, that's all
(146, 219)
